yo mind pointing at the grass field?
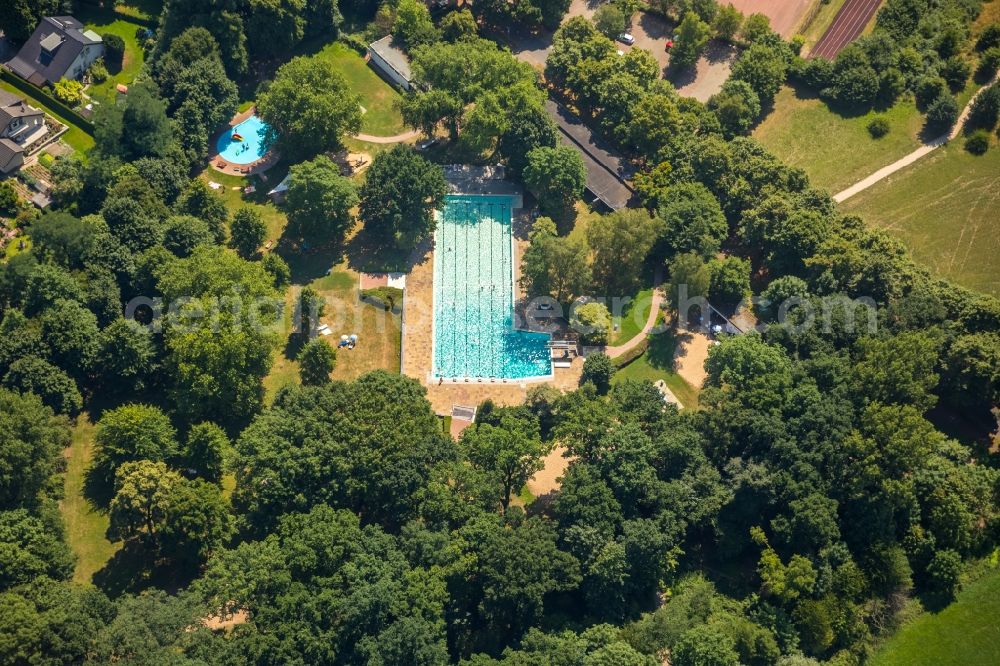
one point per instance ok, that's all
(834, 150)
(381, 116)
(273, 217)
(105, 22)
(944, 208)
(85, 527)
(633, 317)
(965, 633)
(658, 363)
(74, 137)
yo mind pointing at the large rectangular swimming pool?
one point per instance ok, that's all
(474, 335)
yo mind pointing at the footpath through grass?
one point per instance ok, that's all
(85, 526)
(966, 633)
(945, 208)
(836, 151)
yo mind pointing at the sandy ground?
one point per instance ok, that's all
(690, 356)
(545, 481)
(785, 15)
(217, 623)
(710, 72)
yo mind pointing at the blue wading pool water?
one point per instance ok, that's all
(250, 149)
(474, 295)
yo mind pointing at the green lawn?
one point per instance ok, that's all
(105, 22)
(658, 363)
(85, 526)
(633, 317)
(74, 137)
(259, 201)
(944, 207)
(966, 633)
(834, 150)
(381, 116)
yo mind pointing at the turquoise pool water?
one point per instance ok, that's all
(250, 149)
(474, 335)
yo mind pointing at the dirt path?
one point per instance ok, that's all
(544, 481)
(399, 138)
(690, 356)
(654, 310)
(907, 160)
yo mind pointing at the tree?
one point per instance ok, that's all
(693, 221)
(399, 196)
(57, 390)
(274, 27)
(727, 22)
(316, 361)
(70, 331)
(31, 438)
(459, 25)
(529, 129)
(985, 110)
(206, 450)
(763, 67)
(140, 128)
(46, 285)
(593, 322)
(375, 466)
(599, 370)
(552, 265)
(944, 574)
(183, 233)
(196, 521)
(9, 201)
(68, 91)
(508, 452)
(198, 200)
(29, 549)
(556, 176)
(705, 645)
(131, 433)
(730, 280)
(690, 279)
(309, 107)
(413, 25)
(139, 506)
(941, 115)
(319, 200)
(125, 358)
(609, 20)
(692, 36)
(247, 231)
(621, 242)
(737, 107)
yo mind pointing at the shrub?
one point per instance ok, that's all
(356, 43)
(389, 298)
(98, 72)
(592, 321)
(929, 89)
(9, 203)
(978, 142)
(955, 72)
(878, 127)
(985, 109)
(989, 63)
(46, 160)
(990, 37)
(68, 91)
(599, 370)
(114, 50)
(942, 114)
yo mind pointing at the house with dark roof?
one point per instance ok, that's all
(390, 60)
(60, 48)
(20, 126)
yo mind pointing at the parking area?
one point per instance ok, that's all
(709, 73)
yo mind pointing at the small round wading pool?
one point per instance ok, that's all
(243, 144)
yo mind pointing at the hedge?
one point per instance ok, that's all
(389, 298)
(69, 115)
(632, 354)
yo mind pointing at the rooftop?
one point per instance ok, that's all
(607, 173)
(393, 56)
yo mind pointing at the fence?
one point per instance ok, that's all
(60, 109)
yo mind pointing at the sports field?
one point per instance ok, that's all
(966, 633)
(944, 208)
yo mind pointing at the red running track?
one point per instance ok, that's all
(847, 25)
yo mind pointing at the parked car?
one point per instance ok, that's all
(626, 38)
(424, 145)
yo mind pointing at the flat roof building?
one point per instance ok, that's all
(391, 61)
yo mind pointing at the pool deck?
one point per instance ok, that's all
(418, 341)
(223, 165)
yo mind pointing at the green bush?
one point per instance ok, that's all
(389, 298)
(98, 72)
(114, 50)
(978, 142)
(632, 354)
(68, 91)
(989, 63)
(593, 321)
(46, 160)
(356, 42)
(878, 127)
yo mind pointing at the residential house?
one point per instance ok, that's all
(20, 126)
(60, 48)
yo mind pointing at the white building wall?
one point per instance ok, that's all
(387, 70)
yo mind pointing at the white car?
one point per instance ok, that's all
(626, 38)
